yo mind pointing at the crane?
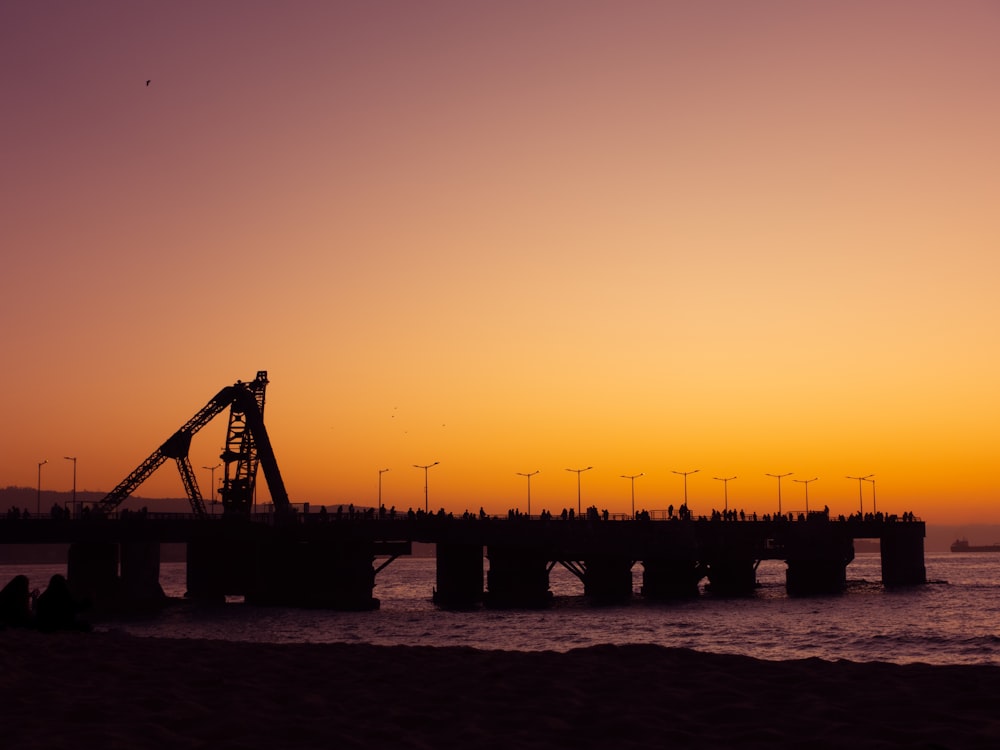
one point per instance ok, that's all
(247, 445)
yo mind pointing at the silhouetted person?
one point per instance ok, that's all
(56, 608)
(15, 603)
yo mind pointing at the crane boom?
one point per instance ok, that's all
(246, 431)
(191, 485)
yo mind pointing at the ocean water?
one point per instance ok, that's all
(954, 619)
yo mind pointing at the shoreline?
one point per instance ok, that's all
(115, 690)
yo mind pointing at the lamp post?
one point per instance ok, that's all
(685, 475)
(73, 459)
(725, 489)
(425, 468)
(578, 473)
(211, 483)
(38, 499)
(778, 477)
(874, 507)
(806, 483)
(861, 499)
(633, 477)
(529, 475)
(380, 473)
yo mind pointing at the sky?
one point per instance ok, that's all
(644, 237)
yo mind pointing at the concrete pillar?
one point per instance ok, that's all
(313, 575)
(817, 555)
(903, 555)
(732, 577)
(517, 577)
(92, 573)
(273, 569)
(210, 570)
(351, 576)
(608, 578)
(140, 575)
(198, 574)
(670, 578)
(807, 577)
(459, 580)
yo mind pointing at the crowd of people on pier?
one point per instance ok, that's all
(61, 513)
(592, 513)
(51, 610)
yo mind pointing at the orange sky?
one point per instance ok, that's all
(744, 238)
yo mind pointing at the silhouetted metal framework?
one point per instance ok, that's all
(247, 446)
(240, 455)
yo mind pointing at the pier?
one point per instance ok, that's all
(320, 560)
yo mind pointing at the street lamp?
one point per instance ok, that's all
(778, 477)
(874, 508)
(73, 459)
(529, 475)
(425, 468)
(806, 483)
(211, 483)
(861, 499)
(578, 473)
(38, 500)
(685, 475)
(725, 488)
(380, 473)
(633, 477)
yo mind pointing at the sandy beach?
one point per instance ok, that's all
(115, 691)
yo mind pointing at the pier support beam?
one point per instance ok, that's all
(903, 555)
(670, 578)
(459, 579)
(608, 578)
(517, 577)
(733, 577)
(92, 573)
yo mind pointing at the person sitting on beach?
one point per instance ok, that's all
(15, 603)
(56, 609)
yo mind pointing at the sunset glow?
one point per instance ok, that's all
(743, 238)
